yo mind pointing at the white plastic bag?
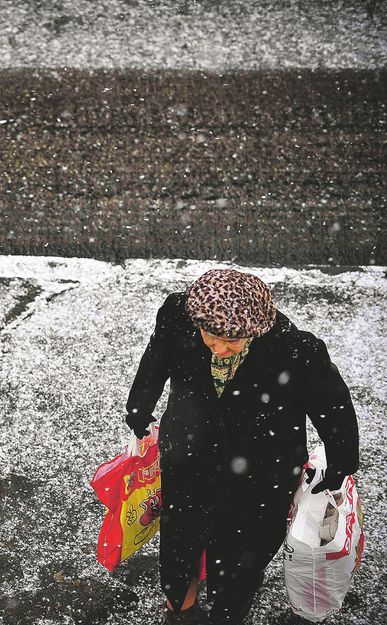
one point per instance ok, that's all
(318, 576)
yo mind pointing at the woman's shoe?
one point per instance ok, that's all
(195, 615)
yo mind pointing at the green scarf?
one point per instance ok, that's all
(224, 369)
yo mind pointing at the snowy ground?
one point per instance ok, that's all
(72, 332)
(214, 35)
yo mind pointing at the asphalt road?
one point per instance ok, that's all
(279, 167)
(252, 131)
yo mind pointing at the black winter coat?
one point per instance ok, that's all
(231, 465)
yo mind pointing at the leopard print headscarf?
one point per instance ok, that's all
(230, 303)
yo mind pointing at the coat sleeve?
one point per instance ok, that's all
(153, 371)
(329, 406)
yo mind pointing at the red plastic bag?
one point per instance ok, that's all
(129, 487)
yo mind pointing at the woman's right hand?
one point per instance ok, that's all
(139, 424)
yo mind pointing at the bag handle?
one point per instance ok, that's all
(331, 498)
(317, 478)
(133, 447)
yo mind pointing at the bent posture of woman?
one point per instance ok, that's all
(243, 378)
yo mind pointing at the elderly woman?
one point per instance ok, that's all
(243, 378)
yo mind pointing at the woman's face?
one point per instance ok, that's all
(222, 347)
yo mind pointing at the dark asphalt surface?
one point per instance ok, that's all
(270, 167)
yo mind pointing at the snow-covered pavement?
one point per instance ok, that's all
(208, 35)
(72, 333)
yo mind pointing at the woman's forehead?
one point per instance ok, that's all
(222, 338)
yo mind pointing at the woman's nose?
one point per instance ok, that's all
(219, 348)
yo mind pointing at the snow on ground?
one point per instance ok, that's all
(72, 333)
(207, 35)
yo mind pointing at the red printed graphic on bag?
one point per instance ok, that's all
(152, 507)
(350, 520)
(149, 473)
(360, 545)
